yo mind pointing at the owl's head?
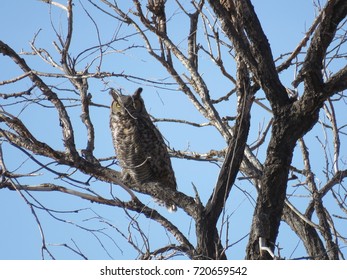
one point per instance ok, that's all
(132, 105)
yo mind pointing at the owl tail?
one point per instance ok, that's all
(170, 206)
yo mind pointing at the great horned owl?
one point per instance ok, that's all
(139, 146)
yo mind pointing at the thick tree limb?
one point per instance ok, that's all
(308, 234)
(237, 144)
(334, 12)
(253, 47)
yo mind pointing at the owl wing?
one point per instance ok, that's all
(157, 164)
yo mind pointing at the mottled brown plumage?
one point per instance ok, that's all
(140, 148)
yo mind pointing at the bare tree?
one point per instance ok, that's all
(224, 38)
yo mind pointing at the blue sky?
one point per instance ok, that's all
(284, 22)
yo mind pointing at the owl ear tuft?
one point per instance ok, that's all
(114, 94)
(138, 92)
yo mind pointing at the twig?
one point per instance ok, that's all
(61, 6)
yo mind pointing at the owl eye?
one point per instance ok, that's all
(115, 106)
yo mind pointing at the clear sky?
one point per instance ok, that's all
(284, 22)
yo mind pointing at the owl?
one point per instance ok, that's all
(139, 146)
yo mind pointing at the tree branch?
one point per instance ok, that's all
(237, 144)
(133, 205)
(307, 233)
(251, 43)
(311, 72)
(67, 129)
(336, 83)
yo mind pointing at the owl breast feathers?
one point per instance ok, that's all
(139, 146)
